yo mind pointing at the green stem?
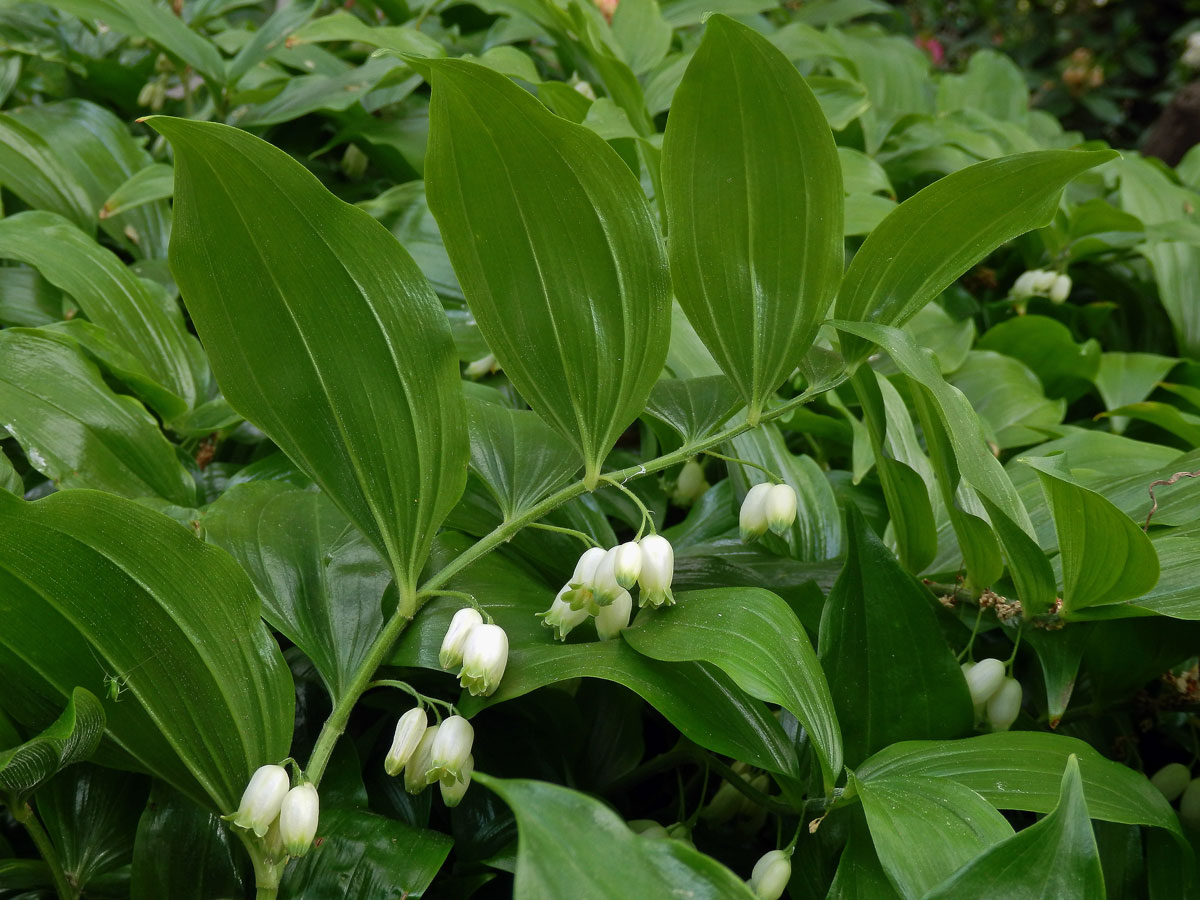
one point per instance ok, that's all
(267, 872)
(647, 518)
(62, 884)
(588, 540)
(745, 462)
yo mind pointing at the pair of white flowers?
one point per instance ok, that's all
(600, 586)
(478, 650)
(767, 506)
(426, 754)
(997, 698)
(285, 816)
(1042, 283)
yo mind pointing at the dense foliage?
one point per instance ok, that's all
(345, 350)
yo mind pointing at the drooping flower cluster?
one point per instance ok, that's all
(767, 506)
(997, 698)
(477, 649)
(601, 583)
(432, 753)
(1042, 283)
(285, 817)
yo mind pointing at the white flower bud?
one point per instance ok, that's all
(605, 587)
(409, 731)
(582, 583)
(561, 617)
(771, 875)
(780, 508)
(1171, 780)
(627, 564)
(298, 818)
(486, 365)
(484, 659)
(1024, 285)
(1061, 289)
(649, 829)
(262, 799)
(985, 679)
(1043, 283)
(463, 623)
(1004, 705)
(452, 792)
(420, 762)
(1189, 804)
(752, 519)
(614, 618)
(658, 568)
(450, 749)
(690, 485)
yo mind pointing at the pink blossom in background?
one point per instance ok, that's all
(933, 47)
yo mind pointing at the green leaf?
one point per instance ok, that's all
(1106, 557)
(102, 591)
(364, 856)
(518, 456)
(184, 852)
(756, 639)
(137, 313)
(306, 94)
(1022, 770)
(1055, 857)
(1183, 425)
(372, 410)
(859, 874)
(753, 192)
(642, 34)
(143, 18)
(926, 828)
(889, 668)
(568, 843)
(841, 100)
(342, 25)
(993, 84)
(575, 304)
(10, 480)
(1047, 347)
(320, 581)
(1126, 378)
(939, 233)
(1008, 399)
(269, 36)
(75, 430)
(154, 182)
(71, 738)
(694, 407)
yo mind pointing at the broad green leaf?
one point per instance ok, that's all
(320, 581)
(694, 407)
(894, 72)
(1176, 594)
(861, 174)
(103, 592)
(864, 212)
(29, 300)
(268, 36)
(372, 410)
(343, 25)
(10, 479)
(519, 457)
(91, 815)
(1059, 652)
(144, 18)
(364, 856)
(642, 34)
(154, 182)
(1055, 857)
(992, 84)
(1023, 770)
(569, 843)
(575, 303)
(1183, 425)
(924, 829)
(71, 738)
(940, 232)
(859, 874)
(1126, 378)
(1106, 557)
(137, 313)
(753, 637)
(841, 100)
(753, 192)
(889, 668)
(1008, 398)
(33, 171)
(306, 94)
(74, 429)
(1045, 345)
(184, 852)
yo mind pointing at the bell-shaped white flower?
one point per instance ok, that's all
(450, 749)
(752, 519)
(420, 762)
(1061, 289)
(452, 791)
(1171, 780)
(409, 731)
(583, 581)
(1004, 705)
(614, 618)
(771, 875)
(464, 622)
(262, 799)
(658, 568)
(298, 818)
(780, 508)
(605, 587)
(561, 617)
(627, 564)
(984, 679)
(484, 659)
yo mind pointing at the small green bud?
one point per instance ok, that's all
(1171, 780)
(771, 875)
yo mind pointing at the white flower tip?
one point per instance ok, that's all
(409, 731)
(298, 818)
(752, 518)
(627, 564)
(464, 622)
(614, 618)
(485, 657)
(780, 508)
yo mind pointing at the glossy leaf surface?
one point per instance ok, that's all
(70, 738)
